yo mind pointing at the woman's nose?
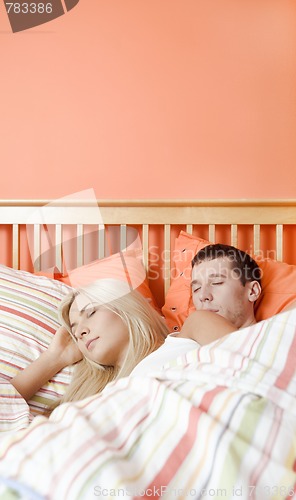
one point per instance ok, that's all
(81, 330)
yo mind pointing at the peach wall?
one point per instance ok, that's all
(151, 99)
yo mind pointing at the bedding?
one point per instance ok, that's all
(28, 321)
(216, 422)
(278, 283)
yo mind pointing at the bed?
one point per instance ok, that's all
(218, 422)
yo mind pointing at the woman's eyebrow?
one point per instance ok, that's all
(79, 312)
(82, 310)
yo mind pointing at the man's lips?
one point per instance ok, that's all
(89, 342)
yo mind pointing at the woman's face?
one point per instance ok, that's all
(101, 334)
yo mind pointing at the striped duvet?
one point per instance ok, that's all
(218, 422)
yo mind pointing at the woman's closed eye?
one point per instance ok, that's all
(91, 310)
(90, 313)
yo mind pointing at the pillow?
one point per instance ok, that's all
(28, 321)
(278, 287)
(178, 302)
(126, 266)
(278, 284)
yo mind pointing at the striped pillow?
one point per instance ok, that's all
(28, 320)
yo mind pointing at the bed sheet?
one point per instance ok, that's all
(217, 422)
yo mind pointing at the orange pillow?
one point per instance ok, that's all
(278, 287)
(178, 302)
(125, 266)
(278, 284)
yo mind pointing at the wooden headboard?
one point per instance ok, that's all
(252, 225)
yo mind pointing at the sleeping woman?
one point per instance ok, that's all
(107, 329)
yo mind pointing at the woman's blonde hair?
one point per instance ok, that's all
(147, 331)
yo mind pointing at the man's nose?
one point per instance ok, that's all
(205, 294)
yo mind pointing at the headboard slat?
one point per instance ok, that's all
(101, 241)
(79, 244)
(167, 258)
(37, 247)
(212, 233)
(123, 237)
(15, 246)
(233, 235)
(58, 247)
(256, 237)
(145, 245)
(279, 242)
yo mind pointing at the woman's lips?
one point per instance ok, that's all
(89, 343)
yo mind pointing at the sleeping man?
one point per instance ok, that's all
(225, 286)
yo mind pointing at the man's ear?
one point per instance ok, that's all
(254, 291)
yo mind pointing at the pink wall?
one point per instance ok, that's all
(151, 99)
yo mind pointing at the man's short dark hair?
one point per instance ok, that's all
(243, 265)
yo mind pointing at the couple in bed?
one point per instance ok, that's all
(114, 332)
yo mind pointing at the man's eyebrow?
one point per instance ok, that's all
(212, 275)
(217, 275)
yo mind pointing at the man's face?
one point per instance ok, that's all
(217, 288)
